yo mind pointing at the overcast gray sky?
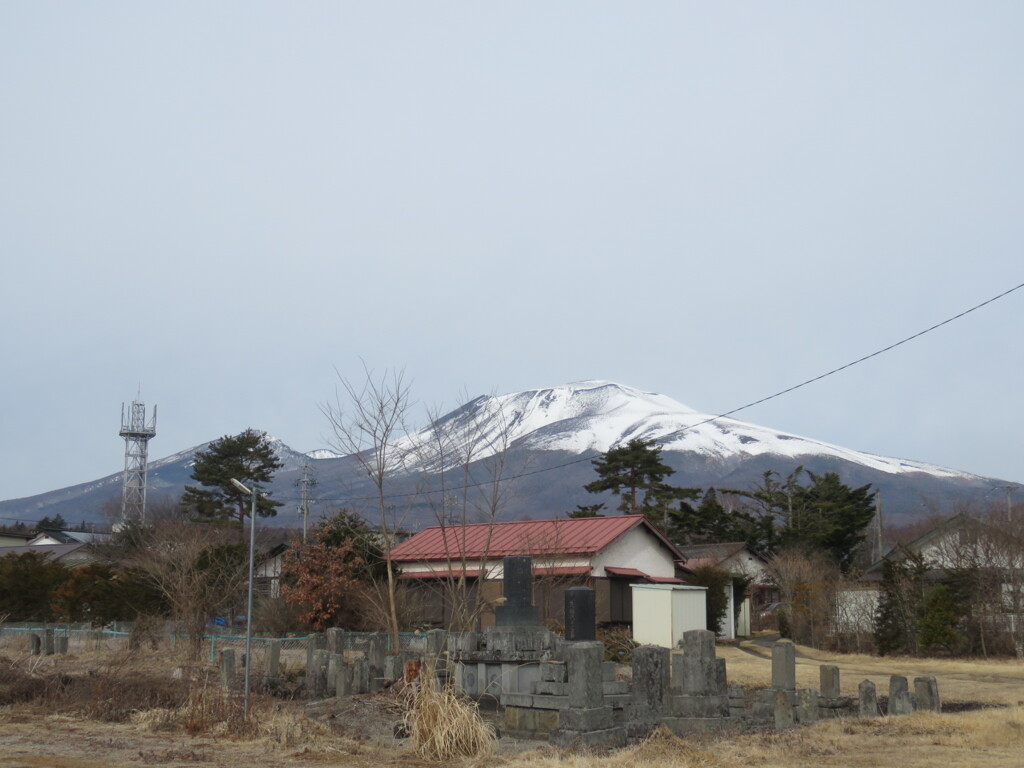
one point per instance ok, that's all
(225, 202)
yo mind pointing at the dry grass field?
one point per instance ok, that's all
(116, 709)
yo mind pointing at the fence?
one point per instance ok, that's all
(293, 651)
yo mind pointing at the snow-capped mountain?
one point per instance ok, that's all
(545, 438)
(593, 416)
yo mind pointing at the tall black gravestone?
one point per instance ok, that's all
(518, 609)
(580, 614)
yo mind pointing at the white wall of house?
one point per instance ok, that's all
(729, 622)
(745, 563)
(637, 548)
(854, 609)
(271, 569)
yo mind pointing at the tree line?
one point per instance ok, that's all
(801, 510)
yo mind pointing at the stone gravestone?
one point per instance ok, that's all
(273, 660)
(901, 700)
(650, 687)
(927, 691)
(587, 722)
(580, 614)
(868, 697)
(335, 640)
(783, 710)
(375, 656)
(784, 666)
(829, 682)
(227, 667)
(518, 609)
(317, 680)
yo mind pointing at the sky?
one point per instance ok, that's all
(226, 208)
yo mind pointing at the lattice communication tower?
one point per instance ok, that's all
(137, 434)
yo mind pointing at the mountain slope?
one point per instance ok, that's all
(543, 440)
(593, 416)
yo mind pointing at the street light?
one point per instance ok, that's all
(248, 613)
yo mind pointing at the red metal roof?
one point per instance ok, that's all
(566, 570)
(614, 571)
(572, 536)
(633, 572)
(443, 573)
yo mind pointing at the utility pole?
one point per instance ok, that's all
(305, 483)
(1009, 503)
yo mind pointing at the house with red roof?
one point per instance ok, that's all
(604, 553)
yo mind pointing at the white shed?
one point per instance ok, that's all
(663, 612)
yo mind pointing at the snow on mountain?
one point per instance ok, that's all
(323, 453)
(597, 415)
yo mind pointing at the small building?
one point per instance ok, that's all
(70, 555)
(11, 539)
(607, 554)
(739, 561)
(663, 612)
(48, 537)
(268, 569)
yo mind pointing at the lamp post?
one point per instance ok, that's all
(248, 612)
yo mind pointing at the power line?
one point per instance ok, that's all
(728, 413)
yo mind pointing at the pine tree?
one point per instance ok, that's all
(824, 515)
(586, 510)
(899, 604)
(635, 472)
(247, 457)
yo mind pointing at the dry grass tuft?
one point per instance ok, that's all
(664, 748)
(214, 711)
(444, 725)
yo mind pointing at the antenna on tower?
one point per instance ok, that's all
(137, 434)
(305, 482)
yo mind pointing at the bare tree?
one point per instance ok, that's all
(369, 426)
(984, 557)
(466, 463)
(807, 584)
(199, 569)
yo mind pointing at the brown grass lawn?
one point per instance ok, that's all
(99, 711)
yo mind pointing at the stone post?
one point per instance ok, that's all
(331, 679)
(48, 647)
(316, 642)
(650, 684)
(318, 682)
(901, 700)
(587, 722)
(360, 676)
(335, 640)
(580, 614)
(273, 660)
(829, 682)
(437, 639)
(36, 644)
(784, 665)
(698, 665)
(227, 667)
(783, 710)
(585, 675)
(868, 698)
(927, 691)
(375, 658)
(343, 681)
(807, 705)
